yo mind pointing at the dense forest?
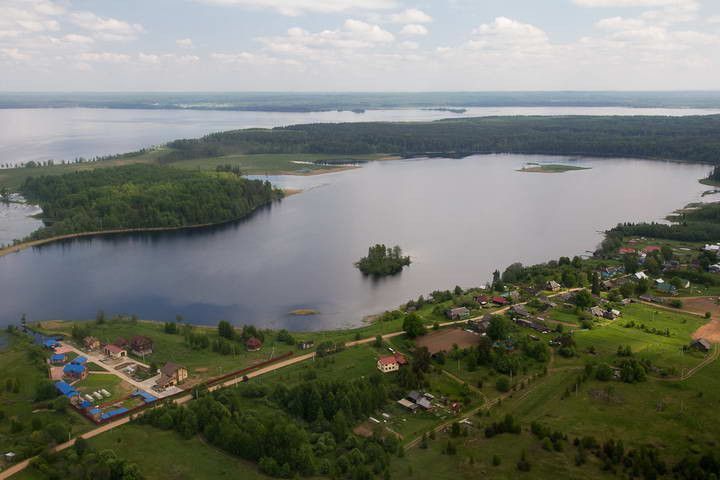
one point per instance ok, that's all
(700, 225)
(693, 138)
(142, 196)
(382, 261)
(303, 430)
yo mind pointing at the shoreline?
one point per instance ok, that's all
(70, 236)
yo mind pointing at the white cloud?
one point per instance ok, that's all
(184, 43)
(298, 7)
(504, 32)
(109, 29)
(13, 54)
(75, 38)
(633, 3)
(247, 58)
(409, 45)
(104, 57)
(619, 23)
(148, 58)
(411, 15)
(414, 29)
(368, 32)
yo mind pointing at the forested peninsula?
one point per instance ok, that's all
(691, 138)
(142, 197)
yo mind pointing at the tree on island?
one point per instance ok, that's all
(382, 261)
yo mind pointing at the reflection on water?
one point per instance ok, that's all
(459, 219)
(16, 221)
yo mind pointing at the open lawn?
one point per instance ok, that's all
(97, 381)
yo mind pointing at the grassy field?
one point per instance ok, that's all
(97, 381)
(675, 416)
(665, 352)
(166, 455)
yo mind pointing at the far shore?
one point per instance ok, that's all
(36, 243)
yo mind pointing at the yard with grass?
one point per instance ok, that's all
(94, 382)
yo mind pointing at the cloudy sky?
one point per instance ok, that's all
(359, 45)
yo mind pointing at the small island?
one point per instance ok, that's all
(382, 261)
(550, 168)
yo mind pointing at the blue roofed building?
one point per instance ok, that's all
(57, 358)
(79, 361)
(76, 372)
(66, 389)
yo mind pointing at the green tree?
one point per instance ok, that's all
(226, 330)
(413, 326)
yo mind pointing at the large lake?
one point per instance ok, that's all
(68, 133)
(459, 219)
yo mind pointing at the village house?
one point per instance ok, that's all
(121, 342)
(513, 295)
(480, 326)
(420, 399)
(457, 313)
(666, 288)
(651, 249)
(538, 327)
(597, 311)
(171, 374)
(114, 352)
(715, 268)
(75, 371)
(141, 345)
(91, 343)
(482, 299)
(253, 344)
(500, 301)
(388, 364)
(57, 358)
(712, 248)
(612, 314)
(553, 286)
(519, 311)
(626, 250)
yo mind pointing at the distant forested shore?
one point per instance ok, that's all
(142, 197)
(319, 102)
(691, 139)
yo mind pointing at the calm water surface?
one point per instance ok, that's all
(458, 219)
(68, 133)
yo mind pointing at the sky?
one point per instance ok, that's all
(359, 45)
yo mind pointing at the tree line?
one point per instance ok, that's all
(692, 138)
(142, 196)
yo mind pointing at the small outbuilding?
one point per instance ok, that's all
(701, 344)
(253, 344)
(457, 313)
(553, 286)
(115, 352)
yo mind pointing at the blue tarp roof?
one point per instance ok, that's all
(79, 360)
(57, 357)
(51, 343)
(73, 369)
(94, 411)
(66, 389)
(145, 396)
(113, 413)
(85, 404)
